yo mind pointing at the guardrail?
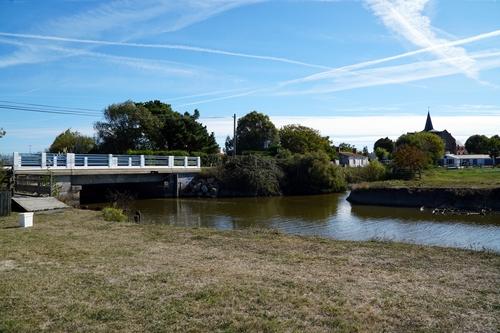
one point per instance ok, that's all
(89, 161)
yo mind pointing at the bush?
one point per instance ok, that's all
(114, 215)
(250, 175)
(372, 172)
(311, 173)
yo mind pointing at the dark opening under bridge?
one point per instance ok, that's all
(86, 176)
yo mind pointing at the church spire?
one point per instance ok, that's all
(428, 123)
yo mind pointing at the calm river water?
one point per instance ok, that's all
(327, 216)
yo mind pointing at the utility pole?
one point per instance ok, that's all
(234, 134)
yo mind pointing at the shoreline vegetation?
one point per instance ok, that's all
(74, 271)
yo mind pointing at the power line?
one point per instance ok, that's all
(65, 112)
(52, 106)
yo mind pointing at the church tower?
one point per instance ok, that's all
(428, 123)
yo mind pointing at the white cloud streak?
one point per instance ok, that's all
(406, 19)
(164, 46)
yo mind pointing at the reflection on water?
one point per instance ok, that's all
(327, 216)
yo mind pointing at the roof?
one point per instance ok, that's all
(428, 124)
(349, 154)
(468, 156)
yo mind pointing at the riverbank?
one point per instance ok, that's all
(475, 190)
(73, 271)
(480, 200)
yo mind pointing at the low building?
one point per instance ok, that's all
(468, 160)
(352, 159)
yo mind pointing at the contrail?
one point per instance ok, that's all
(326, 74)
(164, 46)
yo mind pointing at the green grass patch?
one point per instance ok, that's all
(445, 178)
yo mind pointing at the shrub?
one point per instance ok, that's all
(251, 175)
(114, 214)
(311, 173)
(372, 172)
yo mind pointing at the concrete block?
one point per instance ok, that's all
(26, 220)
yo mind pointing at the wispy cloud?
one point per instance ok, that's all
(396, 74)
(406, 19)
(124, 19)
(346, 128)
(164, 46)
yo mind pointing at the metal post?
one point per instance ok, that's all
(143, 161)
(198, 162)
(171, 161)
(85, 161)
(234, 134)
(185, 161)
(110, 160)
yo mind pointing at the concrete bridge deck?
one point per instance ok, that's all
(69, 174)
(97, 164)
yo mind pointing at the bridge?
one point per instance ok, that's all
(87, 176)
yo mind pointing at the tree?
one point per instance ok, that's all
(429, 143)
(347, 147)
(382, 154)
(255, 131)
(152, 125)
(229, 146)
(2, 132)
(365, 151)
(384, 143)
(301, 139)
(494, 148)
(410, 159)
(72, 142)
(477, 144)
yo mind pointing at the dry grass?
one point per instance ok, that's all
(75, 272)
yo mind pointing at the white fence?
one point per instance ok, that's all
(99, 161)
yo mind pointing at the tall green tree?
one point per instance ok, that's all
(255, 131)
(384, 143)
(494, 148)
(429, 143)
(477, 144)
(72, 142)
(152, 125)
(301, 139)
(346, 147)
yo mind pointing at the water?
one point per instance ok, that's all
(327, 216)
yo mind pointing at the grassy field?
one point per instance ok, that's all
(74, 272)
(440, 177)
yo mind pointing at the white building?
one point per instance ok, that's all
(352, 159)
(459, 161)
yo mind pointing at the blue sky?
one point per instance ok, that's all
(355, 70)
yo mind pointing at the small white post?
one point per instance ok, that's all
(143, 161)
(185, 161)
(110, 160)
(198, 162)
(85, 161)
(55, 160)
(130, 161)
(16, 161)
(171, 161)
(44, 160)
(70, 160)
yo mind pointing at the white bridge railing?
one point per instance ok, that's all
(99, 161)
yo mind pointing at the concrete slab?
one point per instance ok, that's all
(36, 204)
